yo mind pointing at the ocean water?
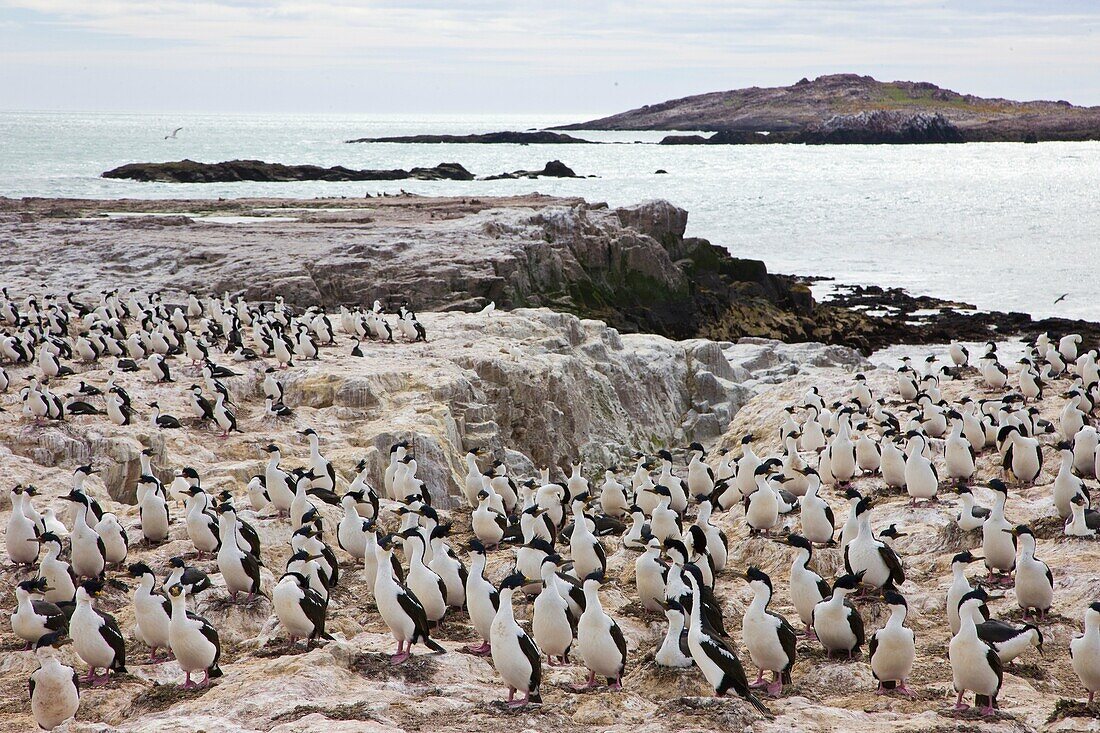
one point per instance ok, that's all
(1003, 226)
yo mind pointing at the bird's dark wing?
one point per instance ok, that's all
(893, 562)
(55, 619)
(494, 598)
(620, 643)
(196, 579)
(847, 563)
(314, 606)
(995, 664)
(414, 609)
(872, 646)
(787, 639)
(211, 634)
(533, 658)
(113, 636)
(995, 631)
(855, 623)
(251, 537)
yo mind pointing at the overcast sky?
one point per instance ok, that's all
(527, 56)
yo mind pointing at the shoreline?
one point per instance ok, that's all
(504, 249)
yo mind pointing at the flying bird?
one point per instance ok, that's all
(173, 135)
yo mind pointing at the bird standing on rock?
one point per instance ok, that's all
(54, 687)
(515, 656)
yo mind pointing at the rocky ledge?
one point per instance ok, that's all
(631, 267)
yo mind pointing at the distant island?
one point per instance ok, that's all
(848, 108)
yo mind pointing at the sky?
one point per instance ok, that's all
(521, 56)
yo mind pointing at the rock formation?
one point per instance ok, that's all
(538, 137)
(190, 171)
(553, 169)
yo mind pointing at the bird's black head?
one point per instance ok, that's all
(747, 439)
(797, 540)
(35, 585)
(514, 581)
(676, 546)
(176, 562)
(964, 557)
(92, 587)
(595, 575)
(189, 473)
(664, 454)
(978, 595)
(851, 494)
(756, 575)
(893, 598)
(998, 485)
(139, 569)
(850, 581)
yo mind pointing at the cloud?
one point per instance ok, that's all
(517, 41)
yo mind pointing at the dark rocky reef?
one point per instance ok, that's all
(231, 171)
(849, 108)
(922, 319)
(539, 137)
(189, 171)
(553, 169)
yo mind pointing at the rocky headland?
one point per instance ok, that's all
(849, 108)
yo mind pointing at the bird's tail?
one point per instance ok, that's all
(760, 707)
(215, 671)
(535, 696)
(889, 684)
(435, 646)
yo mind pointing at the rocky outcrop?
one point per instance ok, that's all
(631, 267)
(850, 103)
(878, 127)
(884, 127)
(537, 387)
(553, 169)
(538, 137)
(190, 171)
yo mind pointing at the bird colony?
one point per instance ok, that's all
(751, 566)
